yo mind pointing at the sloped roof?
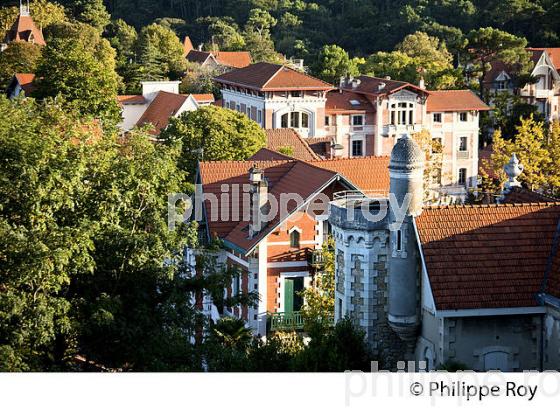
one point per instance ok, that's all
(535, 54)
(520, 195)
(164, 106)
(199, 57)
(286, 176)
(187, 45)
(341, 101)
(25, 81)
(376, 86)
(204, 98)
(366, 173)
(487, 256)
(131, 99)
(265, 154)
(288, 137)
(272, 77)
(24, 29)
(235, 59)
(454, 100)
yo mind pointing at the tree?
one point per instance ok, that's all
(200, 79)
(258, 37)
(18, 57)
(530, 146)
(489, 45)
(92, 12)
(213, 134)
(319, 298)
(44, 14)
(418, 55)
(160, 53)
(334, 63)
(88, 83)
(508, 112)
(225, 34)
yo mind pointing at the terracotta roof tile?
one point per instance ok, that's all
(164, 106)
(204, 98)
(366, 173)
(288, 137)
(25, 81)
(24, 29)
(199, 57)
(339, 101)
(131, 99)
(487, 256)
(287, 176)
(187, 45)
(272, 77)
(235, 59)
(455, 100)
(380, 86)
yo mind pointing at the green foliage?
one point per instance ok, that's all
(418, 55)
(19, 57)
(334, 63)
(487, 45)
(44, 14)
(92, 12)
(83, 74)
(213, 134)
(319, 298)
(286, 150)
(159, 54)
(508, 112)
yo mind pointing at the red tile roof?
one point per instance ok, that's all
(454, 100)
(25, 81)
(131, 99)
(535, 54)
(204, 98)
(380, 86)
(265, 154)
(163, 107)
(287, 176)
(288, 137)
(340, 102)
(235, 59)
(487, 256)
(520, 195)
(367, 173)
(187, 45)
(272, 77)
(24, 29)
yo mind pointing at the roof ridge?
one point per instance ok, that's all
(350, 159)
(512, 205)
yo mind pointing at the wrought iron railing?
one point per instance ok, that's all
(286, 321)
(316, 258)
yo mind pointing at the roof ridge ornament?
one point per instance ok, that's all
(513, 169)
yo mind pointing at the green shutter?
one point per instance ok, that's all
(288, 296)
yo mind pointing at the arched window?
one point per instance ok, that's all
(294, 119)
(402, 113)
(294, 239)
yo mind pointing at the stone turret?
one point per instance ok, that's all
(406, 171)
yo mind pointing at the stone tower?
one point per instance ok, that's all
(406, 171)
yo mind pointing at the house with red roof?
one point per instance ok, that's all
(23, 29)
(277, 252)
(544, 93)
(215, 59)
(364, 116)
(159, 101)
(473, 284)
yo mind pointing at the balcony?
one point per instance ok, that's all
(291, 321)
(316, 259)
(286, 321)
(543, 93)
(401, 129)
(463, 155)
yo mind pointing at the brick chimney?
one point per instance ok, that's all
(259, 200)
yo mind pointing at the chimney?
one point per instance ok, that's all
(381, 86)
(259, 200)
(200, 47)
(422, 83)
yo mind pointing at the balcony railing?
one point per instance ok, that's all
(463, 155)
(316, 258)
(286, 321)
(292, 321)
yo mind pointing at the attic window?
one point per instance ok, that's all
(294, 239)
(354, 102)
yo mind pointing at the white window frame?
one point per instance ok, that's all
(361, 141)
(363, 120)
(440, 118)
(466, 114)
